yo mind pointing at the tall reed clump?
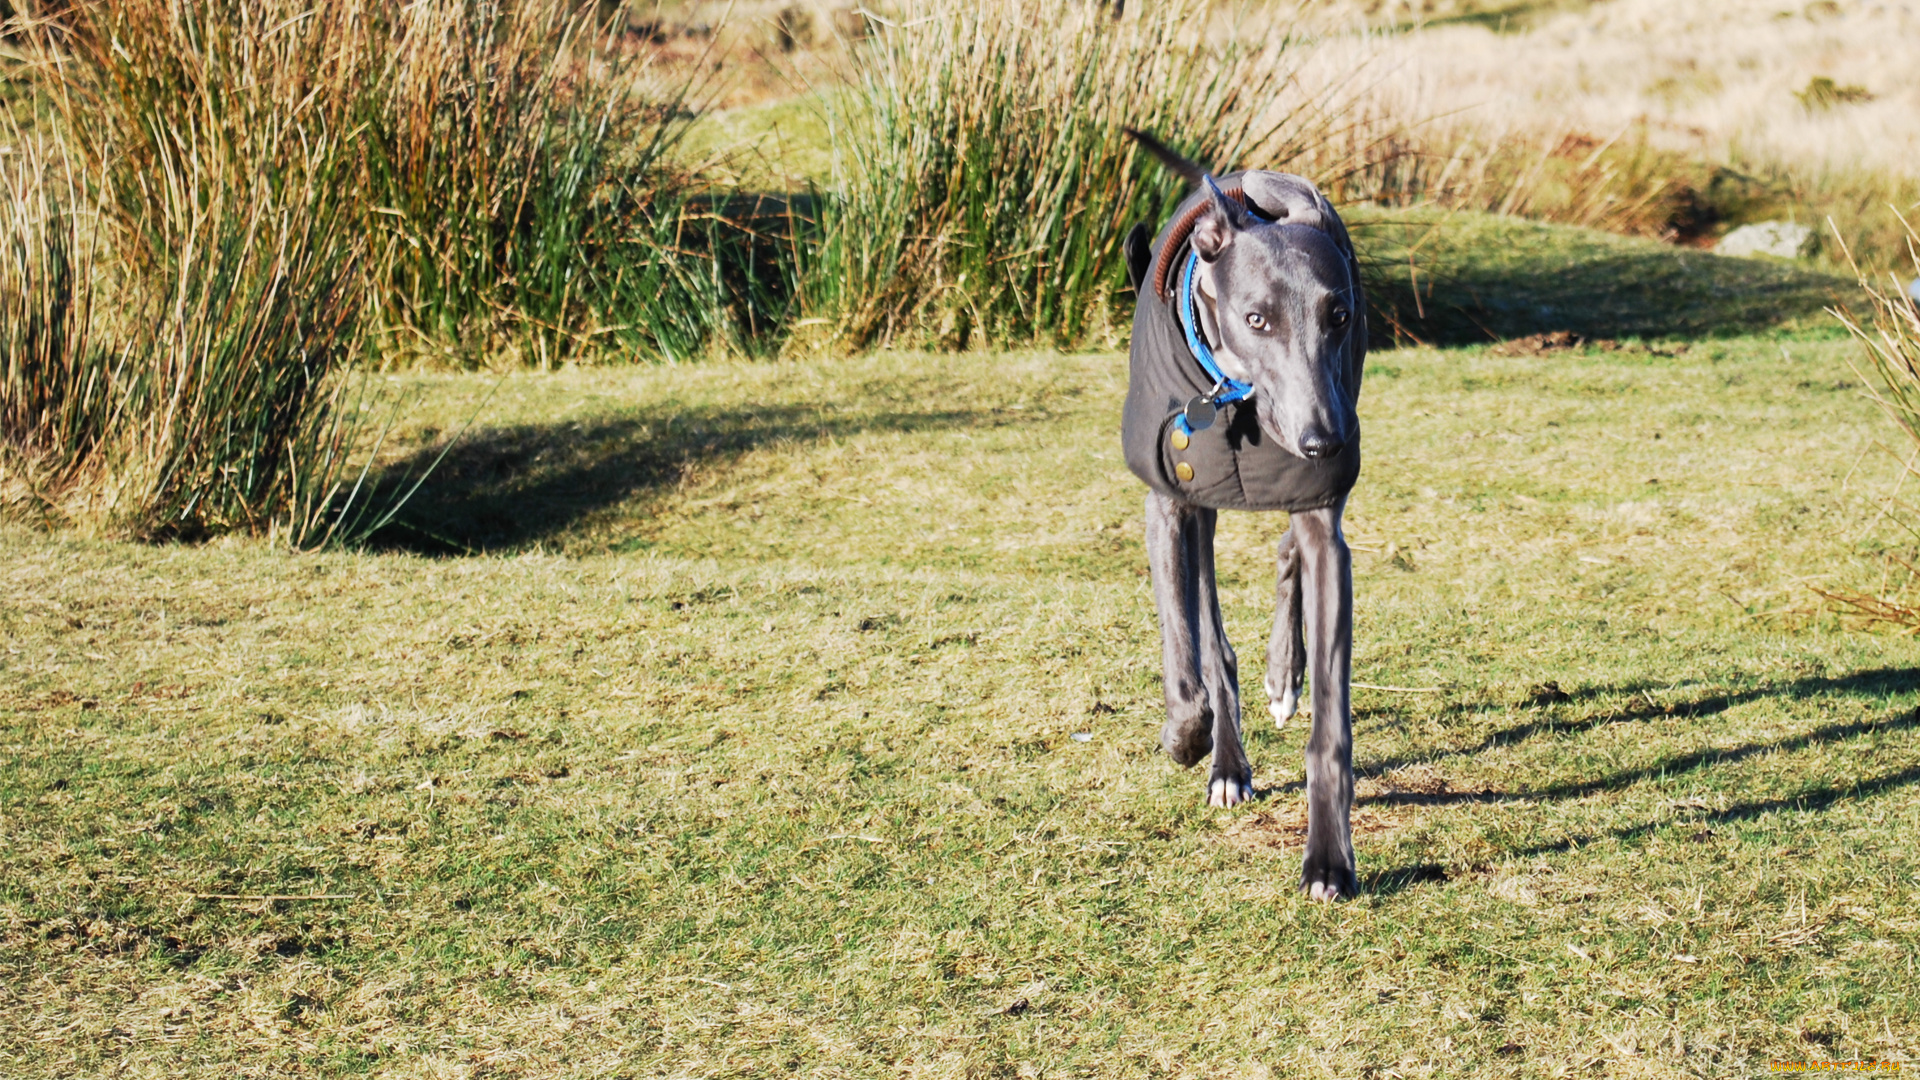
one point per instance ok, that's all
(216, 147)
(229, 203)
(168, 361)
(1890, 337)
(519, 172)
(982, 182)
(56, 380)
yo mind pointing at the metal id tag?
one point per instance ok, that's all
(1200, 412)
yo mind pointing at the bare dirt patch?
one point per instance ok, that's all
(1283, 828)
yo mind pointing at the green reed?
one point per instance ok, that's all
(223, 206)
(982, 183)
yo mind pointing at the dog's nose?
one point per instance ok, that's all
(1319, 444)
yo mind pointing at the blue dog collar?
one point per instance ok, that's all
(1225, 390)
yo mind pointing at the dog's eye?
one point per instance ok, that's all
(1256, 320)
(1340, 316)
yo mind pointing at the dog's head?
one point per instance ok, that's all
(1282, 301)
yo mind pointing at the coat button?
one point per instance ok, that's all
(1180, 440)
(1184, 471)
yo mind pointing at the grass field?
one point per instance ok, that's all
(759, 718)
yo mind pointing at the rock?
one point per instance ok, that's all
(1781, 239)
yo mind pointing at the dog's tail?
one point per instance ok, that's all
(1192, 172)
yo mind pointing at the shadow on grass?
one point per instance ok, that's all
(1397, 879)
(1875, 683)
(1878, 682)
(1674, 766)
(1815, 799)
(1474, 278)
(502, 488)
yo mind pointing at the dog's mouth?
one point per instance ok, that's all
(1313, 440)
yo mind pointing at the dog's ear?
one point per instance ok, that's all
(1138, 249)
(1214, 231)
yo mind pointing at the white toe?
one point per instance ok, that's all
(1283, 707)
(1227, 793)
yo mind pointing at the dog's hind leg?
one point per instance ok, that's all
(1326, 571)
(1200, 670)
(1287, 650)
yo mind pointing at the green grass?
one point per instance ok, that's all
(780, 145)
(743, 746)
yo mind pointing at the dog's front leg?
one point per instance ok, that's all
(1172, 540)
(1326, 568)
(1200, 672)
(1231, 782)
(1286, 651)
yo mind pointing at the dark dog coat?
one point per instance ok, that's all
(1232, 465)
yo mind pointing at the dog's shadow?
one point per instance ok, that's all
(1602, 706)
(1393, 880)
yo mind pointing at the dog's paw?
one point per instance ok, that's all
(1283, 707)
(1322, 891)
(1225, 791)
(1328, 878)
(1187, 739)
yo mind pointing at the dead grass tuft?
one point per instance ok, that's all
(1890, 337)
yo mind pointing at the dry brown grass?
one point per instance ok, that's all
(1674, 120)
(1713, 79)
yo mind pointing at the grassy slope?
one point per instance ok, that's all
(1482, 276)
(747, 748)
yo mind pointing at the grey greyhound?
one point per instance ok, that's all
(1249, 335)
